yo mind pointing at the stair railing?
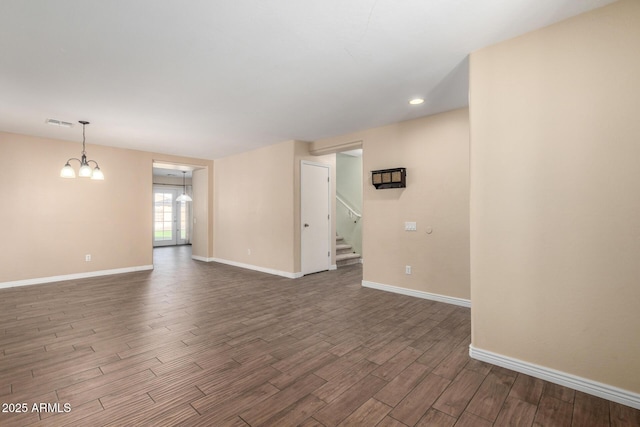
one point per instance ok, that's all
(352, 212)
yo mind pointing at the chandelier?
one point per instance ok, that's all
(85, 169)
(184, 197)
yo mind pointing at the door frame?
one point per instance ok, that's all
(304, 163)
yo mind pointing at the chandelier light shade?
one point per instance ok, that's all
(86, 171)
(184, 197)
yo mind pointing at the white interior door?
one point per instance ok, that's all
(314, 215)
(170, 223)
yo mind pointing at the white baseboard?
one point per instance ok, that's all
(41, 280)
(585, 385)
(418, 294)
(333, 267)
(260, 269)
(201, 258)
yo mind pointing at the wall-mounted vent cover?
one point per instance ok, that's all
(56, 122)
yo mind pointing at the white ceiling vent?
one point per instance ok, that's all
(56, 122)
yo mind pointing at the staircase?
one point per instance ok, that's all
(345, 254)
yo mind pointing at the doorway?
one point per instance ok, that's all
(170, 217)
(315, 220)
(349, 190)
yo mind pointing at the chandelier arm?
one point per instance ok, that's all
(77, 160)
(89, 161)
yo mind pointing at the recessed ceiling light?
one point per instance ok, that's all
(416, 101)
(56, 122)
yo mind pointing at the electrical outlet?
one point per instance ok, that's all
(87, 257)
(410, 226)
(407, 269)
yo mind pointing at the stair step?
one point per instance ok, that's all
(347, 256)
(347, 259)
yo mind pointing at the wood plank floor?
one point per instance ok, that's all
(204, 344)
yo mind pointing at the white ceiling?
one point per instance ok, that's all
(172, 170)
(207, 78)
(171, 173)
(353, 153)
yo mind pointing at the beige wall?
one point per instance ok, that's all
(555, 197)
(435, 151)
(51, 223)
(254, 207)
(257, 206)
(202, 230)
